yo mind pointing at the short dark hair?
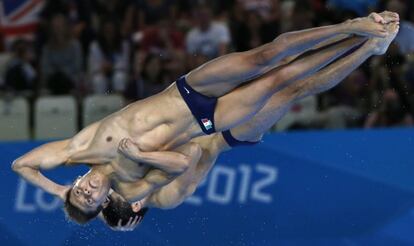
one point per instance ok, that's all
(77, 215)
(119, 209)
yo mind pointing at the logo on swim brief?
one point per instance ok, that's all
(207, 123)
(188, 92)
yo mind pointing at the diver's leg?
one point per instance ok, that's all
(321, 81)
(242, 103)
(225, 73)
(336, 72)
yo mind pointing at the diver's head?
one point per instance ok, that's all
(87, 196)
(119, 208)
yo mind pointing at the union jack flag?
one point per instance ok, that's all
(19, 17)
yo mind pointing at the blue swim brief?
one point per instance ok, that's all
(202, 107)
(232, 142)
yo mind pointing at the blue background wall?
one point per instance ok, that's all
(316, 188)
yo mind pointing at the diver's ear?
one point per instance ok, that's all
(106, 202)
(136, 206)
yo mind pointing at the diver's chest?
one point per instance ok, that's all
(127, 170)
(161, 131)
(157, 139)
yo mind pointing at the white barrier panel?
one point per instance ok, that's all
(14, 119)
(55, 117)
(97, 107)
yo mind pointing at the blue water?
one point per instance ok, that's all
(315, 188)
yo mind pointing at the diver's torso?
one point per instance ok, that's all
(161, 122)
(157, 123)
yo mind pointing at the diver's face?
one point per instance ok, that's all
(90, 191)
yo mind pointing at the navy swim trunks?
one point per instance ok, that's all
(202, 107)
(232, 142)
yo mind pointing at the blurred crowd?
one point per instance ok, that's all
(138, 47)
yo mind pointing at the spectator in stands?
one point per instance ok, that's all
(208, 38)
(286, 16)
(350, 92)
(296, 15)
(247, 34)
(151, 11)
(108, 60)
(20, 75)
(150, 77)
(162, 38)
(391, 113)
(81, 21)
(121, 12)
(175, 36)
(302, 16)
(390, 72)
(345, 105)
(61, 57)
(266, 9)
(79, 18)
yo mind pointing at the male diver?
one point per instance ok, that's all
(199, 102)
(119, 214)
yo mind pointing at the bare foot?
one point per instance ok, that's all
(368, 26)
(377, 18)
(389, 17)
(128, 148)
(380, 45)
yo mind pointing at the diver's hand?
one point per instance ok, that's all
(62, 192)
(129, 149)
(130, 226)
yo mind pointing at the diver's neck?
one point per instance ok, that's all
(106, 170)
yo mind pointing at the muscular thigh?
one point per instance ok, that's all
(242, 103)
(222, 74)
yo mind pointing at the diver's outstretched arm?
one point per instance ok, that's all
(47, 156)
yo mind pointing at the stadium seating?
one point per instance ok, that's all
(55, 117)
(14, 119)
(97, 107)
